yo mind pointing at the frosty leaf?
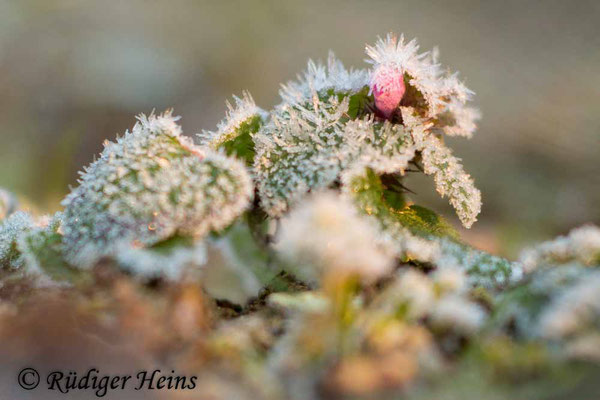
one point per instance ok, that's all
(450, 178)
(152, 184)
(234, 133)
(315, 147)
(242, 146)
(300, 149)
(359, 103)
(43, 252)
(483, 269)
(375, 198)
(422, 221)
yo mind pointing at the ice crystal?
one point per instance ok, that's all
(320, 78)
(149, 185)
(581, 244)
(327, 233)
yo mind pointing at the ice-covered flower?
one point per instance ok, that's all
(387, 85)
(418, 80)
(149, 185)
(327, 234)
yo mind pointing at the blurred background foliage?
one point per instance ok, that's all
(74, 73)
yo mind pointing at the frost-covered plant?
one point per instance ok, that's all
(335, 125)
(150, 185)
(332, 283)
(326, 234)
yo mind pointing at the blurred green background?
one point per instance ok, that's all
(74, 73)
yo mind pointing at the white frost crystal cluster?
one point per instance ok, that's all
(323, 79)
(442, 297)
(581, 244)
(558, 298)
(327, 234)
(148, 186)
(575, 309)
(327, 130)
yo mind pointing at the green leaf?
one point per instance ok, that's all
(168, 245)
(382, 197)
(242, 145)
(422, 221)
(359, 102)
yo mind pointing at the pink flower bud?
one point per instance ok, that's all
(387, 85)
